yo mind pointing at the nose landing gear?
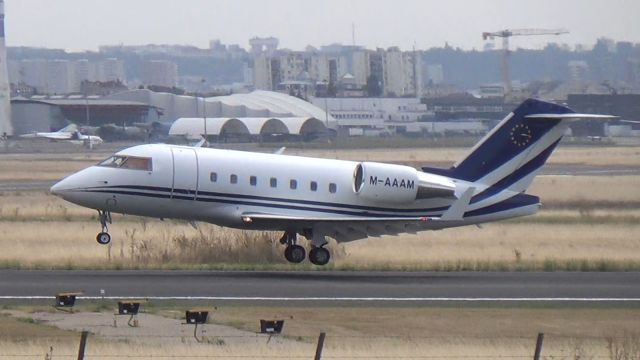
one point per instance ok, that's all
(103, 237)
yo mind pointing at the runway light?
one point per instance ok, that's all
(197, 316)
(66, 300)
(271, 326)
(128, 307)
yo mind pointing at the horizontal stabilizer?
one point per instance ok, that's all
(458, 208)
(570, 116)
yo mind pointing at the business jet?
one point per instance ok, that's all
(320, 198)
(69, 133)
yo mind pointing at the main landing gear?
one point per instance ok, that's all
(103, 237)
(295, 253)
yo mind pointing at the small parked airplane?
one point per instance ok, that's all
(69, 133)
(319, 198)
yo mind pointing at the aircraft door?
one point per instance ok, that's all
(185, 173)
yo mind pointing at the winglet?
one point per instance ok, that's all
(458, 208)
(280, 151)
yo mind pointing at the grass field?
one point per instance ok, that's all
(577, 232)
(587, 223)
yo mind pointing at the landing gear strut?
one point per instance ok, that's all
(294, 253)
(103, 237)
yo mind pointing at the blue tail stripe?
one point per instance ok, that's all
(514, 202)
(531, 166)
(511, 139)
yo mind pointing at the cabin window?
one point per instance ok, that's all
(233, 179)
(293, 184)
(253, 180)
(333, 188)
(313, 186)
(128, 162)
(213, 177)
(273, 182)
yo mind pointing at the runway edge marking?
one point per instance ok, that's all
(354, 299)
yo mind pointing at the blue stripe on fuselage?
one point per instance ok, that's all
(504, 205)
(160, 192)
(514, 202)
(266, 198)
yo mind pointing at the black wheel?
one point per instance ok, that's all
(295, 254)
(103, 238)
(287, 254)
(319, 256)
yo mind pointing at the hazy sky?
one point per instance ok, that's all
(86, 24)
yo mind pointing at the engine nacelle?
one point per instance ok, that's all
(385, 183)
(398, 184)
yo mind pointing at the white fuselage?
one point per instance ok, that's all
(221, 186)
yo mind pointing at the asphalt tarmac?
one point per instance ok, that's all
(324, 286)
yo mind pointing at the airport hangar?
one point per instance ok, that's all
(260, 115)
(44, 114)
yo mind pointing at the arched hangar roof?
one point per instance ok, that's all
(194, 127)
(259, 103)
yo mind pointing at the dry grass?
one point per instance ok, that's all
(36, 167)
(587, 223)
(455, 348)
(356, 333)
(576, 190)
(39, 205)
(510, 244)
(138, 244)
(497, 246)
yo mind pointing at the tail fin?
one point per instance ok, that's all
(69, 128)
(511, 154)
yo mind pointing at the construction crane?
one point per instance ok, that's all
(505, 35)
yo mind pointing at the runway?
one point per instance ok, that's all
(324, 286)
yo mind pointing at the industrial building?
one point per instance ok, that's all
(243, 116)
(41, 114)
(626, 106)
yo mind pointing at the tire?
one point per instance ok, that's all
(287, 254)
(319, 256)
(103, 238)
(295, 254)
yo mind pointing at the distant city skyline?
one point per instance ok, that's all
(77, 25)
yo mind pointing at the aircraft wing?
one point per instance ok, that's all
(345, 229)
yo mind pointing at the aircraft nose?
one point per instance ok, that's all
(59, 187)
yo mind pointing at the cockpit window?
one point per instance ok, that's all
(128, 162)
